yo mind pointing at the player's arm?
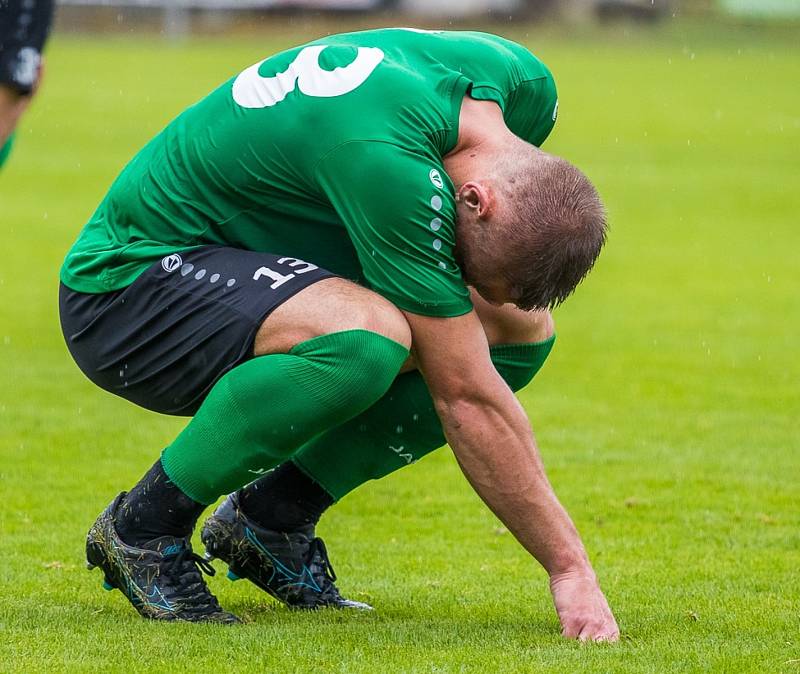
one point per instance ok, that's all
(399, 210)
(492, 439)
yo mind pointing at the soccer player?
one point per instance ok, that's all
(24, 25)
(335, 262)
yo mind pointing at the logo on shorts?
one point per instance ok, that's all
(436, 178)
(171, 262)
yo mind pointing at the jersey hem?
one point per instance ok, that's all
(99, 286)
(443, 310)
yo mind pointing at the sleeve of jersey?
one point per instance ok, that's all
(399, 211)
(532, 108)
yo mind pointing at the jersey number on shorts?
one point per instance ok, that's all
(251, 90)
(278, 279)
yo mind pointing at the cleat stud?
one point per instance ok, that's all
(90, 566)
(107, 585)
(208, 556)
(232, 576)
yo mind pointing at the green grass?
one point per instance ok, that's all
(668, 415)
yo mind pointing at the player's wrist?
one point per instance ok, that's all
(571, 568)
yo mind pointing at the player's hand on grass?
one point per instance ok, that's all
(582, 608)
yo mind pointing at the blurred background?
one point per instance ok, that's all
(178, 17)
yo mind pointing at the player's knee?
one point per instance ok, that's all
(359, 364)
(376, 361)
(523, 349)
(524, 327)
(332, 305)
(353, 307)
(383, 318)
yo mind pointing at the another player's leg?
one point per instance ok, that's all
(24, 26)
(399, 429)
(5, 149)
(12, 105)
(307, 377)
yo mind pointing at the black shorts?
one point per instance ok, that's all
(164, 341)
(24, 26)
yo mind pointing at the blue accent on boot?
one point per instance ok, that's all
(232, 576)
(108, 586)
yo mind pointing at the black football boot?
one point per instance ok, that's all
(293, 567)
(162, 579)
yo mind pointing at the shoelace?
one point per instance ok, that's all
(184, 569)
(318, 557)
(186, 561)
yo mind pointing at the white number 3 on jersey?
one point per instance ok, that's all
(251, 90)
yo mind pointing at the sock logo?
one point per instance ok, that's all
(406, 456)
(171, 263)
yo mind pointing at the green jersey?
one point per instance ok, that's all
(330, 152)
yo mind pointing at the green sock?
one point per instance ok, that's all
(6, 149)
(260, 412)
(401, 427)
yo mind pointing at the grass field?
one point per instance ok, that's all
(668, 416)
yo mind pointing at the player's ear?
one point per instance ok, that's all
(477, 197)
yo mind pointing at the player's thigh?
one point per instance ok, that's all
(332, 305)
(165, 340)
(507, 324)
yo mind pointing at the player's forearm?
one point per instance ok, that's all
(496, 450)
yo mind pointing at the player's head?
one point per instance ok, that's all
(530, 231)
